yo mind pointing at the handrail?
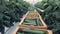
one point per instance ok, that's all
(42, 20)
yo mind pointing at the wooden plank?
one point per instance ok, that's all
(32, 15)
(32, 27)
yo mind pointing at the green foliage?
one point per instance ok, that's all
(51, 14)
(11, 11)
(57, 2)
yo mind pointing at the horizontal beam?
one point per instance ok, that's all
(32, 27)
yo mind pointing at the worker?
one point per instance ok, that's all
(33, 8)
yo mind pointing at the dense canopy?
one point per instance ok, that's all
(12, 10)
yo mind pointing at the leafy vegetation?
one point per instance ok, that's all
(51, 14)
(11, 11)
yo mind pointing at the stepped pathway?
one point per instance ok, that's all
(31, 23)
